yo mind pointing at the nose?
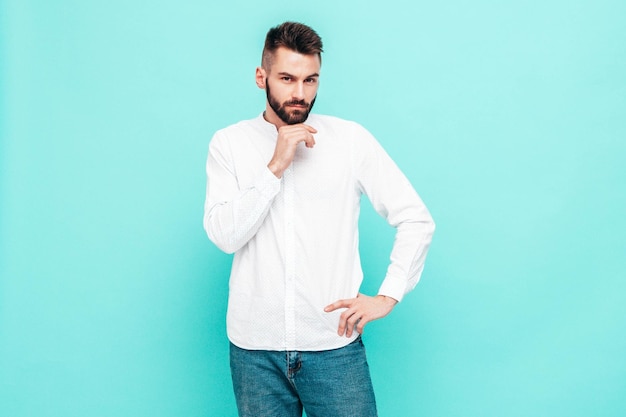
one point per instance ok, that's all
(298, 91)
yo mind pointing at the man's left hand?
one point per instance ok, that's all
(360, 311)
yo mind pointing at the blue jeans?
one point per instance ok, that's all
(329, 383)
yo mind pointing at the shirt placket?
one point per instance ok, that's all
(290, 264)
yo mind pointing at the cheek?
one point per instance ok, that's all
(280, 93)
(311, 92)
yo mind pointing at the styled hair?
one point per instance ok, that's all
(294, 36)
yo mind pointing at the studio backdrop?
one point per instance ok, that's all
(509, 118)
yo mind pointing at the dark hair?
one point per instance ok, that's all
(291, 35)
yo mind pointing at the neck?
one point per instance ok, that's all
(272, 117)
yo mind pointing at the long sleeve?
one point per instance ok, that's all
(232, 215)
(296, 238)
(394, 198)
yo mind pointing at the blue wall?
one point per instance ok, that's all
(509, 119)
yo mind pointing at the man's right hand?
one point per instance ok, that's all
(288, 138)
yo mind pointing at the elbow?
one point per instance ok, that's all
(426, 221)
(220, 240)
(229, 249)
(420, 226)
(223, 244)
(428, 228)
(432, 226)
(421, 220)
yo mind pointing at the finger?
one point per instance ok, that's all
(310, 128)
(298, 135)
(341, 329)
(361, 325)
(344, 322)
(309, 141)
(337, 304)
(352, 323)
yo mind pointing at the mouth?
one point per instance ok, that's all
(298, 104)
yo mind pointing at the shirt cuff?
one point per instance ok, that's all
(267, 184)
(393, 287)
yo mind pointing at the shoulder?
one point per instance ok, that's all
(237, 132)
(237, 128)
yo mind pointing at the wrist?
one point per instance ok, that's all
(276, 169)
(388, 300)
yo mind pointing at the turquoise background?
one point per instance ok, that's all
(508, 117)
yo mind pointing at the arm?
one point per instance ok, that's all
(394, 198)
(233, 216)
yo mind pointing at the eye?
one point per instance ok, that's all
(285, 78)
(310, 80)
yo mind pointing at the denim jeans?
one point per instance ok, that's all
(330, 383)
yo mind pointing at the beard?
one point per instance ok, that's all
(295, 116)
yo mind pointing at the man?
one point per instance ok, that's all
(283, 194)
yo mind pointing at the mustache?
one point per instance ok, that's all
(296, 103)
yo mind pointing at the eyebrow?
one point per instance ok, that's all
(315, 75)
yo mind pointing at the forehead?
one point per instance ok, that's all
(287, 60)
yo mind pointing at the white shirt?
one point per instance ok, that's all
(295, 239)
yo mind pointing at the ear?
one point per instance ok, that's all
(260, 77)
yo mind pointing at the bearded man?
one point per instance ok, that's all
(283, 194)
